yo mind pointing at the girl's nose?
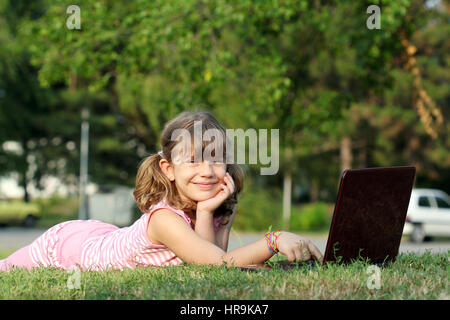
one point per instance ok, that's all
(206, 169)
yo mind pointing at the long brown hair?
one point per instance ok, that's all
(152, 186)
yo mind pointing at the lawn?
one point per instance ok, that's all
(410, 277)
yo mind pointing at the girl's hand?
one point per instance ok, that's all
(297, 248)
(211, 204)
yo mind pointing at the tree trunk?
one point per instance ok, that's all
(315, 189)
(23, 174)
(346, 153)
(287, 187)
(24, 182)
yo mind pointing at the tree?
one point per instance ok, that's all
(44, 118)
(25, 106)
(296, 65)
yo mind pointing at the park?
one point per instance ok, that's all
(307, 89)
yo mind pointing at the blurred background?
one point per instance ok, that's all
(84, 95)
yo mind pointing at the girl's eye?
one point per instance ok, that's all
(214, 162)
(192, 161)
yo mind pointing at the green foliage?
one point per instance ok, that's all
(50, 211)
(257, 210)
(311, 217)
(56, 209)
(311, 69)
(18, 208)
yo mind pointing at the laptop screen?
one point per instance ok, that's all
(369, 214)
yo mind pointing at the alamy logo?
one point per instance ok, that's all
(74, 20)
(217, 140)
(374, 280)
(74, 281)
(373, 21)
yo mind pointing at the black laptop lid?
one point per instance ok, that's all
(369, 214)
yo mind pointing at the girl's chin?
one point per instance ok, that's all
(204, 196)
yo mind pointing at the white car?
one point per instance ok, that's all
(428, 214)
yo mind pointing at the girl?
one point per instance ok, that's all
(188, 208)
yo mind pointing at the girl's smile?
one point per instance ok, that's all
(205, 185)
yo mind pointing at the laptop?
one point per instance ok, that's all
(368, 218)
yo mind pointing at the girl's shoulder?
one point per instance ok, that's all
(164, 205)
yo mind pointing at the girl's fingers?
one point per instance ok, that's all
(226, 191)
(298, 253)
(291, 256)
(229, 184)
(306, 255)
(224, 188)
(303, 251)
(229, 181)
(315, 252)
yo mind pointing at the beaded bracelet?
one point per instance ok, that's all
(272, 240)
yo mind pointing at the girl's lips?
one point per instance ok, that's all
(205, 186)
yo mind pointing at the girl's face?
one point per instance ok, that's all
(197, 181)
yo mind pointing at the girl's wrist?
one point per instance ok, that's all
(272, 240)
(204, 226)
(204, 213)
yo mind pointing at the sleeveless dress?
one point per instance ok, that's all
(94, 245)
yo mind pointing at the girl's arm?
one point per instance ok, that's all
(223, 234)
(204, 227)
(192, 248)
(204, 224)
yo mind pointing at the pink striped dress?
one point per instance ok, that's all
(95, 245)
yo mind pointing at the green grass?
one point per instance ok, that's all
(410, 277)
